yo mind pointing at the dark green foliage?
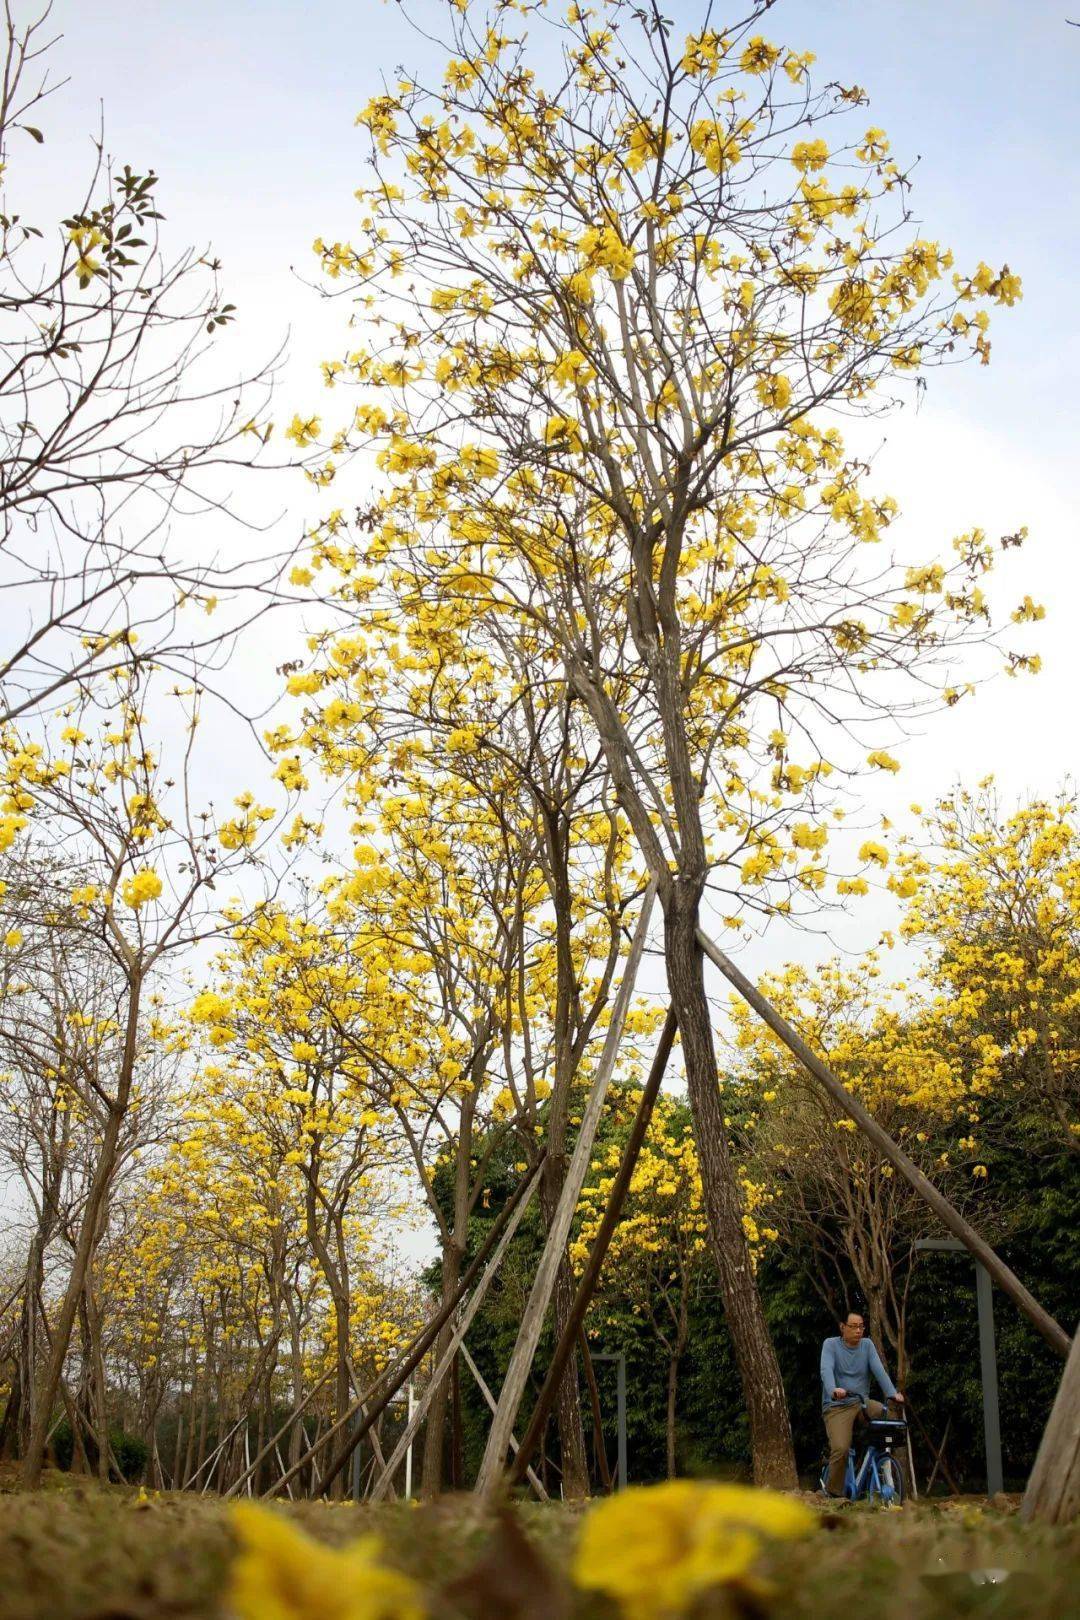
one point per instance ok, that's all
(1037, 1195)
(131, 1453)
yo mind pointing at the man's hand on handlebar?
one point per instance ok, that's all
(898, 1398)
(839, 1394)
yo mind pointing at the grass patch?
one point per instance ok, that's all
(79, 1551)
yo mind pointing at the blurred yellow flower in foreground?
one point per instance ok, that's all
(655, 1549)
(282, 1574)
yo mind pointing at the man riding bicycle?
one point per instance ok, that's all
(847, 1362)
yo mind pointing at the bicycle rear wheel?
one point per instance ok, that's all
(892, 1482)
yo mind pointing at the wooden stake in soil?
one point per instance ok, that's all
(1053, 1492)
(446, 1361)
(591, 1275)
(481, 1383)
(532, 1322)
(271, 1444)
(375, 1400)
(1007, 1281)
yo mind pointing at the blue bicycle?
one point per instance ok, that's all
(876, 1476)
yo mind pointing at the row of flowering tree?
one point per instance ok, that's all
(278, 1120)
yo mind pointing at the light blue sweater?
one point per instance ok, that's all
(849, 1367)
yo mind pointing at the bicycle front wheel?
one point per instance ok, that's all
(892, 1482)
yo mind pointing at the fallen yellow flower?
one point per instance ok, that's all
(282, 1574)
(655, 1549)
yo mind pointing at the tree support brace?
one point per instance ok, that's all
(532, 1321)
(606, 1231)
(382, 1391)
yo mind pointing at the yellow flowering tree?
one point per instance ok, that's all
(222, 1315)
(281, 1015)
(142, 870)
(993, 898)
(612, 320)
(499, 855)
(58, 1050)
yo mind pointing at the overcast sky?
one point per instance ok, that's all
(247, 112)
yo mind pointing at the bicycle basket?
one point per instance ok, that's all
(886, 1432)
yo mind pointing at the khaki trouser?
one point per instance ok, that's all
(839, 1426)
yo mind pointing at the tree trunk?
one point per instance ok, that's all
(875, 1310)
(672, 1394)
(1053, 1491)
(556, 827)
(28, 1344)
(573, 1456)
(763, 1389)
(9, 1422)
(680, 895)
(80, 1462)
(342, 1384)
(92, 1224)
(97, 1387)
(599, 1449)
(431, 1475)
(178, 1447)
(65, 1318)
(457, 1431)
(204, 1405)
(675, 1357)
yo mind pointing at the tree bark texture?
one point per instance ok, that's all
(763, 1388)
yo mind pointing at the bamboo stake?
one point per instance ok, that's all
(373, 1433)
(591, 1275)
(385, 1387)
(281, 1433)
(446, 1360)
(1007, 1280)
(532, 1322)
(1053, 1492)
(911, 1467)
(213, 1457)
(599, 1448)
(281, 1465)
(482, 1385)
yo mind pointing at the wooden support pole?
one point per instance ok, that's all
(213, 1457)
(591, 1275)
(271, 1444)
(373, 1432)
(281, 1465)
(599, 1448)
(383, 1390)
(950, 1217)
(446, 1360)
(532, 1321)
(481, 1383)
(1053, 1492)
